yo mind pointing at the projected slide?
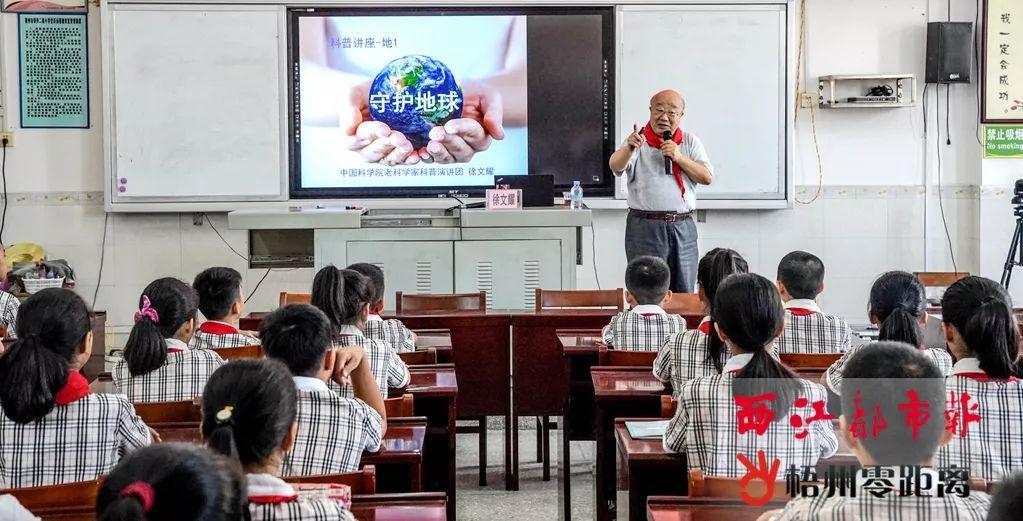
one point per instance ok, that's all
(411, 101)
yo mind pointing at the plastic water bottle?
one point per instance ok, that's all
(576, 196)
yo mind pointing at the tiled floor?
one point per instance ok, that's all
(535, 499)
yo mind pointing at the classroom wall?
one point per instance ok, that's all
(869, 218)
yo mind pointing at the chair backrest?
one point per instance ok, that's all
(426, 356)
(294, 298)
(184, 411)
(238, 353)
(580, 298)
(713, 486)
(362, 482)
(668, 406)
(426, 304)
(65, 501)
(809, 360)
(939, 279)
(400, 407)
(619, 358)
(685, 304)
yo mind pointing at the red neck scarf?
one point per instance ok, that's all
(655, 141)
(704, 327)
(76, 388)
(801, 312)
(218, 328)
(983, 377)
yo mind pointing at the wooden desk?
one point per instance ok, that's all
(618, 393)
(439, 339)
(670, 508)
(400, 507)
(399, 461)
(435, 391)
(579, 350)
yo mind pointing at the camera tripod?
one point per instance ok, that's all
(1015, 256)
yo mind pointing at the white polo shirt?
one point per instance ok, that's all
(650, 189)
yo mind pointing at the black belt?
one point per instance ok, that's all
(661, 216)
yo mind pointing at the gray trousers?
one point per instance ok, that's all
(675, 242)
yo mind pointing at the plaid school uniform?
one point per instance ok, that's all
(683, 356)
(81, 439)
(643, 328)
(9, 312)
(809, 330)
(218, 335)
(388, 369)
(272, 499)
(332, 431)
(992, 447)
(833, 376)
(391, 332)
(705, 427)
(182, 377)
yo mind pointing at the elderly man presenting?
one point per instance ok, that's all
(663, 165)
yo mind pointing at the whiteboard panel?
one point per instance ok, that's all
(195, 103)
(729, 62)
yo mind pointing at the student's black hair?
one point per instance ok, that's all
(881, 374)
(1007, 499)
(51, 325)
(714, 267)
(898, 301)
(218, 289)
(375, 276)
(802, 274)
(248, 407)
(749, 311)
(341, 295)
(981, 311)
(647, 279)
(189, 483)
(175, 303)
(298, 335)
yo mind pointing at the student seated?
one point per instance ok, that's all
(646, 325)
(981, 331)
(344, 296)
(173, 481)
(807, 328)
(53, 429)
(222, 303)
(876, 385)
(332, 431)
(158, 365)
(748, 317)
(1007, 502)
(8, 302)
(699, 352)
(897, 305)
(248, 414)
(392, 332)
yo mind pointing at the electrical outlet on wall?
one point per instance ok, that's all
(807, 100)
(9, 136)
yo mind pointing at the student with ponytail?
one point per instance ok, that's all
(53, 429)
(981, 331)
(699, 352)
(345, 295)
(248, 414)
(897, 307)
(749, 317)
(173, 481)
(158, 365)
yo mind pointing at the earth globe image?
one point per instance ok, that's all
(413, 94)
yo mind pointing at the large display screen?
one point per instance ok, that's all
(397, 102)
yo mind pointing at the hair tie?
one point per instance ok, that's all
(224, 415)
(147, 311)
(141, 491)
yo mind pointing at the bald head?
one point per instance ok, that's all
(666, 109)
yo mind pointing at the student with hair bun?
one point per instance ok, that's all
(981, 331)
(158, 365)
(53, 429)
(173, 481)
(345, 296)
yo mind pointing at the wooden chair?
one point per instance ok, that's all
(668, 406)
(238, 353)
(68, 501)
(619, 358)
(426, 304)
(685, 304)
(939, 279)
(426, 356)
(400, 407)
(362, 482)
(712, 486)
(174, 421)
(580, 298)
(809, 360)
(293, 298)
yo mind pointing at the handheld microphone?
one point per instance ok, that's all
(666, 135)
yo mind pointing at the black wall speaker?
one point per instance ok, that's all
(949, 52)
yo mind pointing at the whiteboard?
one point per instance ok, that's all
(730, 64)
(195, 103)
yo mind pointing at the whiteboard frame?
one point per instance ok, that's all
(789, 90)
(191, 203)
